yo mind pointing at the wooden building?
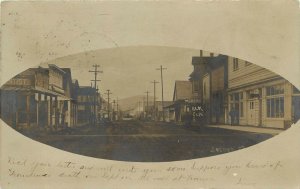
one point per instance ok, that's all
(259, 97)
(39, 97)
(181, 97)
(85, 100)
(215, 83)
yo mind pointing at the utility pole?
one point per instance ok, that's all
(162, 90)
(154, 109)
(139, 109)
(147, 108)
(117, 108)
(113, 112)
(108, 93)
(144, 108)
(96, 72)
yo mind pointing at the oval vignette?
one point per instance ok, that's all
(149, 104)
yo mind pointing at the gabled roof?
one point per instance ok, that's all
(53, 66)
(182, 90)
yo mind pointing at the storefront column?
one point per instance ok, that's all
(263, 106)
(288, 91)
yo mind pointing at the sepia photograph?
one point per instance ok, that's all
(149, 94)
(149, 104)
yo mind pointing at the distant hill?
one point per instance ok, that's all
(130, 103)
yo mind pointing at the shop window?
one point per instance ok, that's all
(275, 101)
(237, 103)
(275, 90)
(236, 96)
(275, 107)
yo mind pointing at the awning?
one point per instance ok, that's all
(35, 90)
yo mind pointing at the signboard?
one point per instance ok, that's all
(197, 111)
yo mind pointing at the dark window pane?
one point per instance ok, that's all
(268, 108)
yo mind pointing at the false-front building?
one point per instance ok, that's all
(259, 97)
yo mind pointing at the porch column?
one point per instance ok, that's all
(38, 110)
(47, 109)
(28, 109)
(50, 111)
(56, 113)
(69, 114)
(17, 109)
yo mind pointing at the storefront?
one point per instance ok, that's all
(267, 104)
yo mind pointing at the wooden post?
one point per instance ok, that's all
(17, 109)
(69, 118)
(50, 111)
(38, 110)
(56, 113)
(28, 109)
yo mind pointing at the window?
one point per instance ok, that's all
(235, 64)
(275, 107)
(237, 103)
(251, 105)
(275, 90)
(195, 86)
(275, 101)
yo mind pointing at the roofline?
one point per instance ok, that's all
(56, 67)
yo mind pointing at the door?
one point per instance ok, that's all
(253, 112)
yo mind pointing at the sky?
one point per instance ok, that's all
(129, 71)
(37, 32)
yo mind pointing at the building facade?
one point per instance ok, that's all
(218, 73)
(85, 103)
(259, 97)
(39, 97)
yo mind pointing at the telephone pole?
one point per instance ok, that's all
(162, 90)
(95, 80)
(147, 108)
(113, 112)
(108, 93)
(154, 91)
(117, 108)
